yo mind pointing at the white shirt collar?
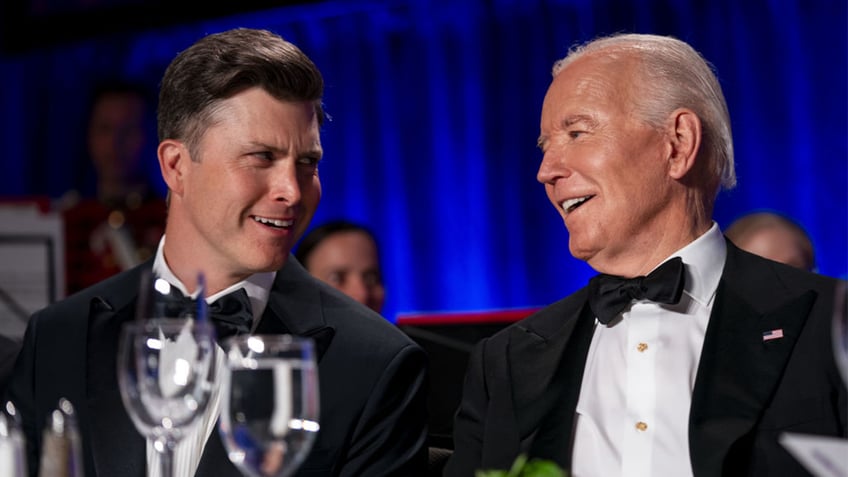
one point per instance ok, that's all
(704, 258)
(257, 286)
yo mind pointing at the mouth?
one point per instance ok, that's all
(571, 205)
(273, 223)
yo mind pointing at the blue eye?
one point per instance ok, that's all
(311, 161)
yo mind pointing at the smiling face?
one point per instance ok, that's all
(239, 207)
(605, 170)
(349, 261)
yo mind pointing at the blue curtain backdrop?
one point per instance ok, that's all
(435, 111)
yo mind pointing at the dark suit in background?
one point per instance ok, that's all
(372, 379)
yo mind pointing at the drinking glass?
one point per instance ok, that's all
(166, 366)
(12, 443)
(269, 406)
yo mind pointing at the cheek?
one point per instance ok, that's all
(551, 193)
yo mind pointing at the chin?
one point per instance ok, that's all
(268, 264)
(584, 254)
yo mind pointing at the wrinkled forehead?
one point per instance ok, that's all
(591, 81)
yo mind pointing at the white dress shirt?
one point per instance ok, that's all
(190, 448)
(633, 412)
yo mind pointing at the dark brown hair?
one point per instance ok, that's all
(221, 65)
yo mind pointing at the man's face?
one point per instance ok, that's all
(603, 169)
(348, 261)
(116, 136)
(253, 189)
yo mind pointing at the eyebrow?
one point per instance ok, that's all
(566, 122)
(577, 118)
(314, 149)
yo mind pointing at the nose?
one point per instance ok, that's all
(552, 168)
(357, 289)
(285, 183)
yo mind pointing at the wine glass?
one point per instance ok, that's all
(269, 407)
(166, 365)
(12, 443)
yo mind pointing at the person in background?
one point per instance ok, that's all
(685, 355)
(773, 236)
(346, 256)
(239, 121)
(118, 224)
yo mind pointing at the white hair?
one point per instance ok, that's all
(674, 75)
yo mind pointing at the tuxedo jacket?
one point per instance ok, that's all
(522, 384)
(372, 378)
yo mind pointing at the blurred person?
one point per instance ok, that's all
(685, 355)
(773, 236)
(239, 121)
(346, 256)
(118, 225)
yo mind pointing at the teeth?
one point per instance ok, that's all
(571, 204)
(274, 222)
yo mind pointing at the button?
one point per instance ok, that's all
(116, 219)
(642, 347)
(641, 426)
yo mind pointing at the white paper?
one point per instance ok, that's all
(823, 456)
(32, 274)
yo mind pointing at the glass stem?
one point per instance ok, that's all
(166, 458)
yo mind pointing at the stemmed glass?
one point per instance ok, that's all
(12, 443)
(166, 365)
(269, 406)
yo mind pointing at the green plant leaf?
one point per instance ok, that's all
(522, 467)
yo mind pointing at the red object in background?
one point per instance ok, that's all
(466, 317)
(448, 339)
(102, 241)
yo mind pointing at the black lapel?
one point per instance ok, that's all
(554, 439)
(116, 445)
(739, 370)
(294, 306)
(547, 358)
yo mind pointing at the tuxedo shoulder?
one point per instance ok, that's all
(353, 319)
(114, 292)
(550, 319)
(754, 271)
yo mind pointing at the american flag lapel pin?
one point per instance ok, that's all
(773, 334)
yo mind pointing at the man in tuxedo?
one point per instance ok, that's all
(239, 118)
(685, 355)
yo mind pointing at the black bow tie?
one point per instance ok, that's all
(609, 295)
(231, 314)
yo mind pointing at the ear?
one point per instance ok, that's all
(173, 160)
(685, 140)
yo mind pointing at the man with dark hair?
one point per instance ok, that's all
(239, 146)
(117, 225)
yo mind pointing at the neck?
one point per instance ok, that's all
(183, 253)
(647, 251)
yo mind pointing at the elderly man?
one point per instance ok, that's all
(685, 355)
